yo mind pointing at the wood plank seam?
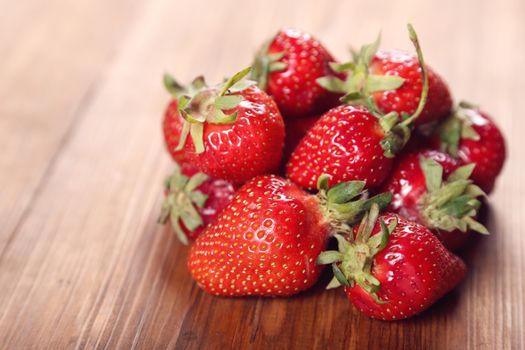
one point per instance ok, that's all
(77, 115)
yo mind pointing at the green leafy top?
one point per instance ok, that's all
(265, 63)
(452, 204)
(345, 204)
(359, 86)
(181, 201)
(197, 103)
(457, 127)
(352, 262)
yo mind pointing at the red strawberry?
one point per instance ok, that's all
(287, 67)
(353, 143)
(266, 240)
(470, 135)
(421, 194)
(392, 81)
(345, 143)
(235, 130)
(406, 97)
(193, 200)
(394, 268)
(295, 129)
(172, 128)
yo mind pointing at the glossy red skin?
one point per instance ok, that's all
(171, 127)
(406, 97)
(219, 192)
(265, 242)
(344, 143)
(414, 271)
(295, 129)
(488, 153)
(295, 88)
(250, 146)
(407, 185)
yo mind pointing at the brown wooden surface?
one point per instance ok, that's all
(83, 263)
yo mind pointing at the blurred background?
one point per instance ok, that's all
(82, 261)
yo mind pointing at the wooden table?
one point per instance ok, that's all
(83, 263)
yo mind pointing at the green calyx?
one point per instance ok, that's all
(181, 202)
(359, 86)
(457, 127)
(344, 204)
(452, 204)
(359, 83)
(353, 261)
(197, 103)
(265, 63)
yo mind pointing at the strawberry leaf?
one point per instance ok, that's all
(242, 85)
(332, 84)
(334, 283)
(345, 191)
(383, 82)
(338, 274)
(183, 135)
(195, 181)
(227, 102)
(462, 173)
(196, 132)
(433, 173)
(476, 226)
(329, 257)
(342, 67)
(276, 67)
(173, 87)
(234, 80)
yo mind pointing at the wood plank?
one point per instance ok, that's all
(52, 56)
(90, 268)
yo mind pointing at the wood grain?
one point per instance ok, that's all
(83, 263)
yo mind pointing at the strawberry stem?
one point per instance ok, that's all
(181, 201)
(198, 104)
(345, 204)
(234, 80)
(424, 77)
(452, 204)
(353, 261)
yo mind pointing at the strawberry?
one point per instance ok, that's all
(351, 142)
(392, 268)
(345, 143)
(287, 67)
(266, 241)
(236, 131)
(172, 128)
(471, 136)
(420, 193)
(295, 129)
(392, 81)
(193, 200)
(406, 97)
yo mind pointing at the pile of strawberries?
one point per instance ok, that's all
(298, 148)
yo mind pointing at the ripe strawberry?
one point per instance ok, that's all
(266, 240)
(392, 268)
(295, 129)
(345, 143)
(236, 131)
(351, 142)
(193, 200)
(392, 81)
(470, 135)
(421, 194)
(172, 128)
(406, 97)
(287, 67)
